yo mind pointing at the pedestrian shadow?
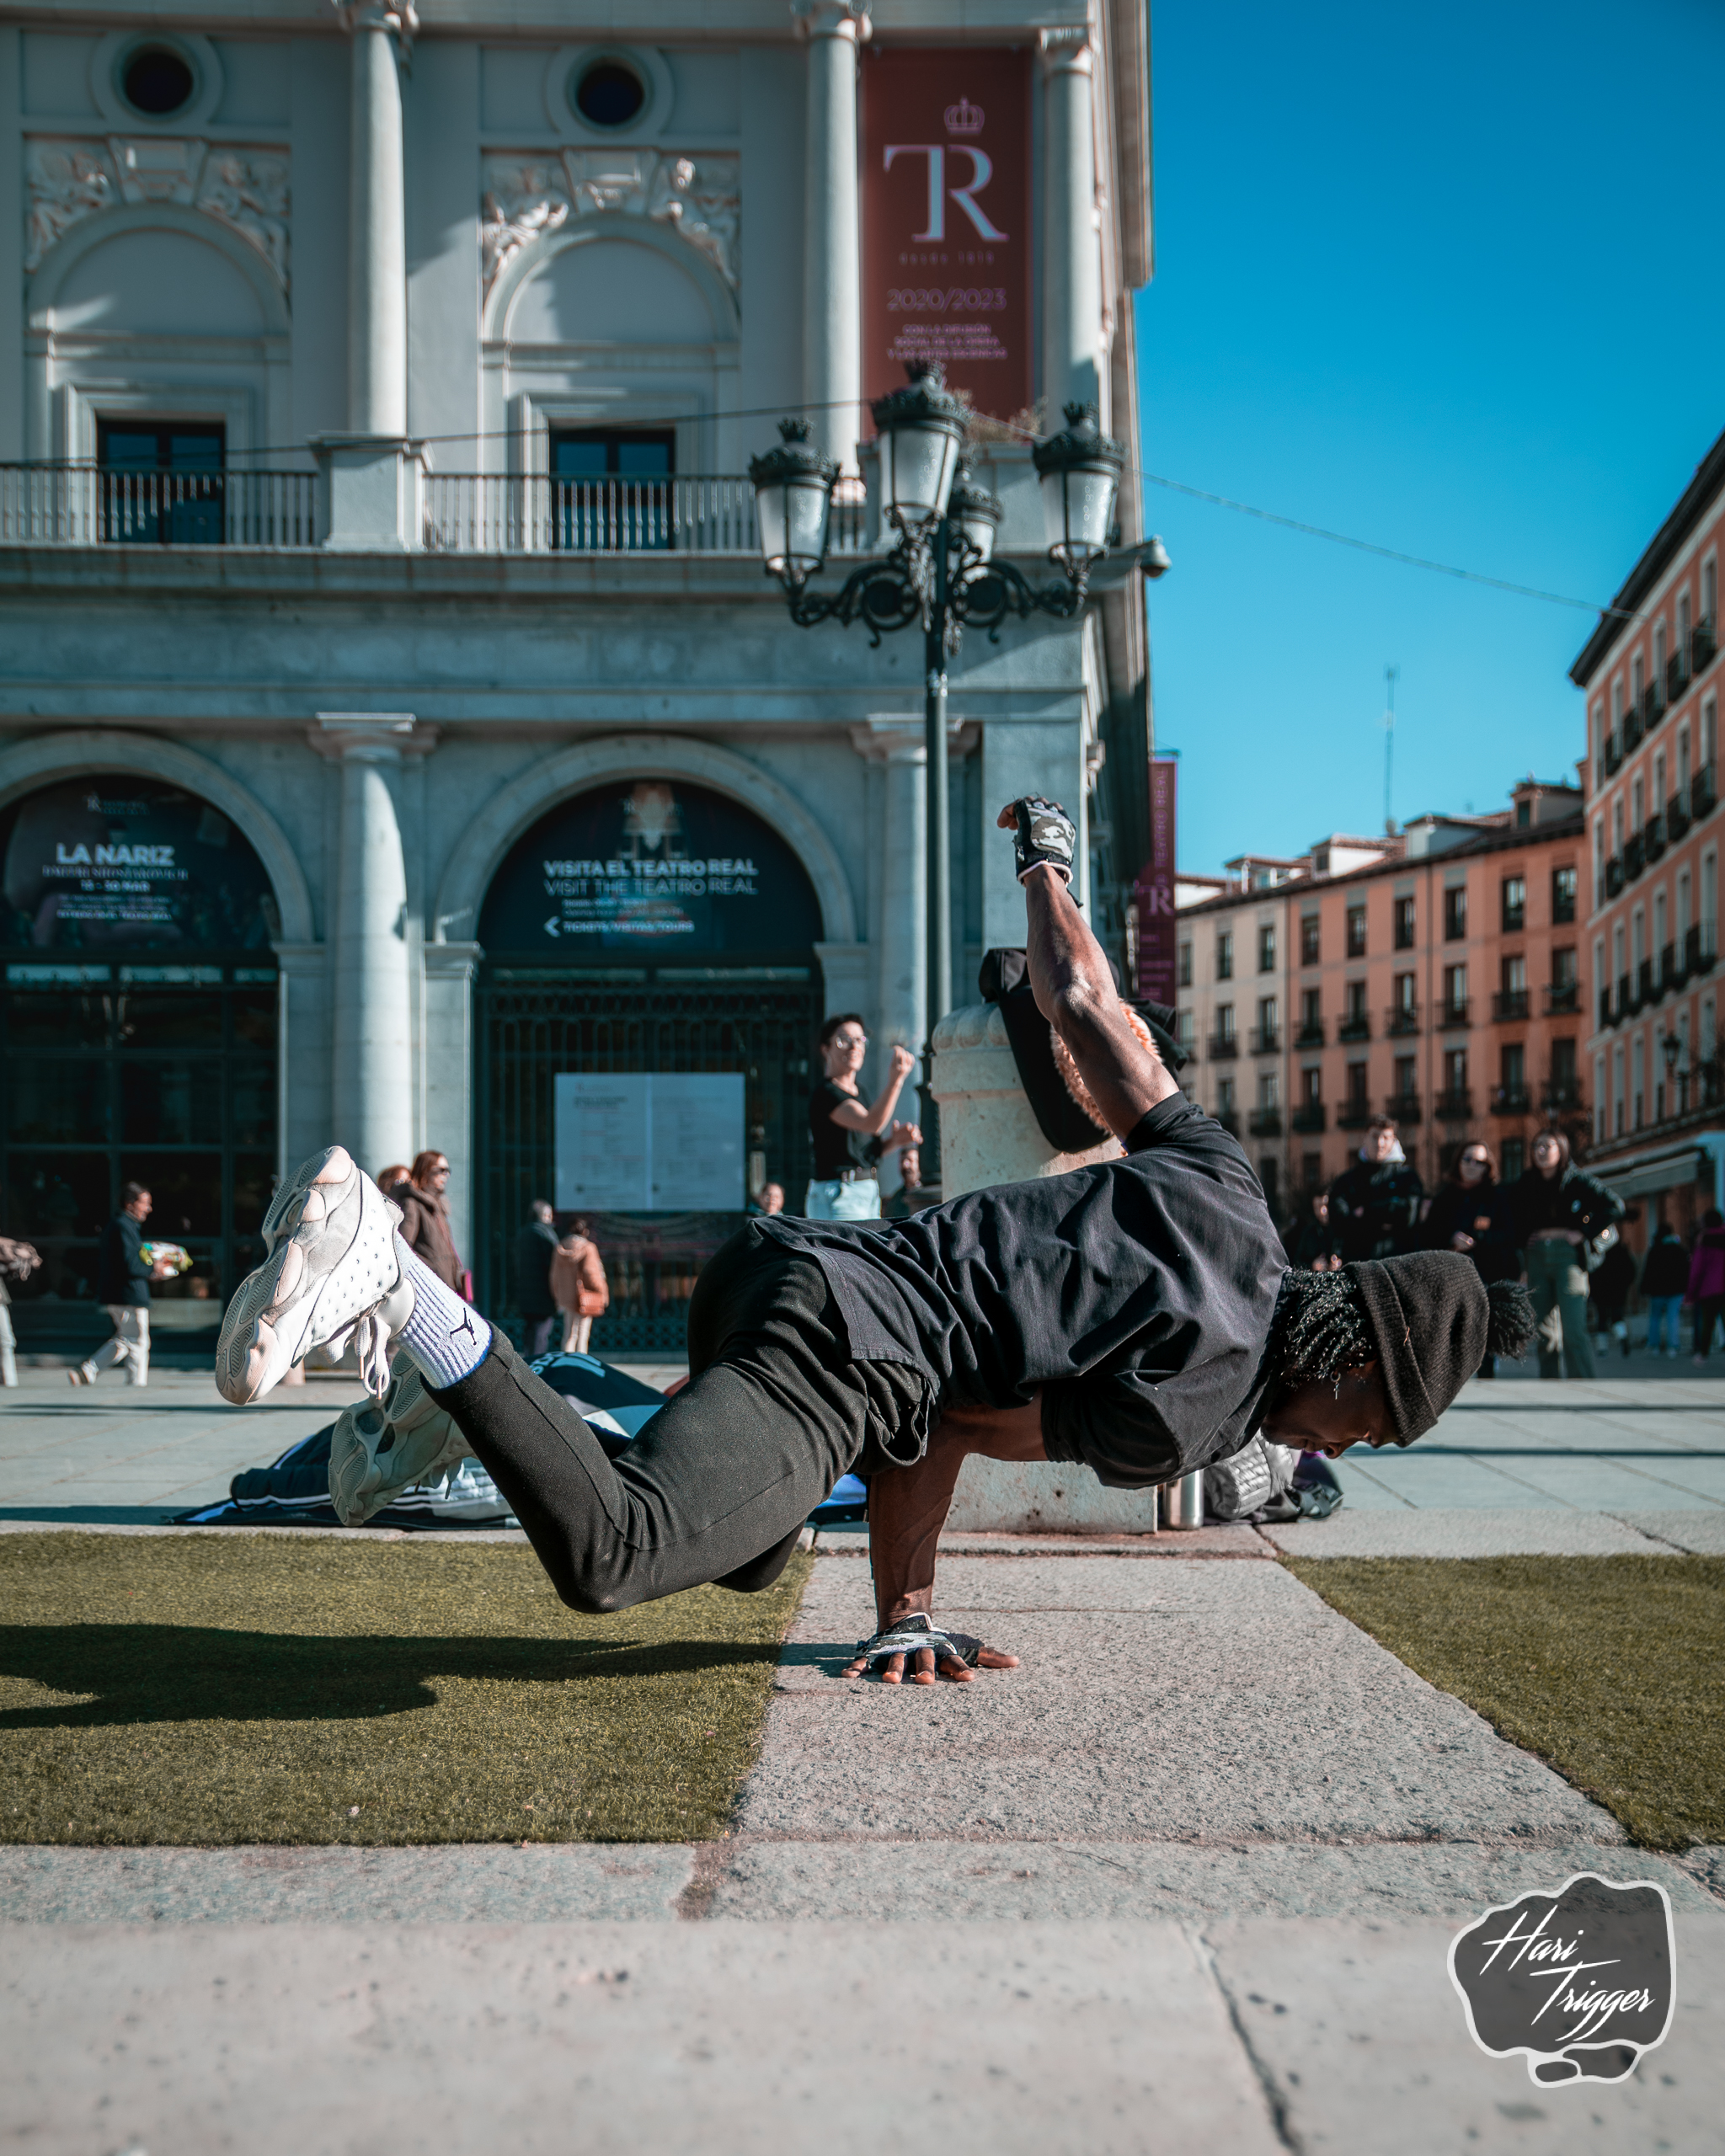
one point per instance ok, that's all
(131, 1673)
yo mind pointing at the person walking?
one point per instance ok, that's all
(123, 1278)
(1707, 1279)
(1375, 1204)
(849, 1138)
(1610, 1287)
(579, 1286)
(20, 1260)
(1557, 1211)
(425, 1221)
(536, 1247)
(1470, 1212)
(1664, 1281)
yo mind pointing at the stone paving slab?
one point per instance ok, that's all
(1359, 2037)
(1185, 1542)
(1453, 1531)
(1701, 1533)
(1083, 2040)
(1162, 1701)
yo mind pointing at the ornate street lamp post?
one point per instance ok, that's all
(941, 572)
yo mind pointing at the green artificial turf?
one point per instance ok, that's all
(1612, 1669)
(246, 1688)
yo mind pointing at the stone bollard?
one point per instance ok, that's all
(988, 1135)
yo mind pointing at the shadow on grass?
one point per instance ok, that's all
(133, 1673)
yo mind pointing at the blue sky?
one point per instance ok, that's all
(1443, 280)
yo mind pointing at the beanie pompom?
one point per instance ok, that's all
(1512, 1324)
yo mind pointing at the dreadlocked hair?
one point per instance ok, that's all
(1320, 1329)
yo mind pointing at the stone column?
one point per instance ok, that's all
(1072, 242)
(900, 852)
(371, 1090)
(832, 269)
(377, 249)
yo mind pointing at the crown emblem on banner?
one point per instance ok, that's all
(965, 118)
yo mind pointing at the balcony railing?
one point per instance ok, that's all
(1614, 755)
(1631, 729)
(1626, 1005)
(1224, 1047)
(1452, 1012)
(1403, 1019)
(1677, 814)
(1653, 837)
(524, 512)
(1264, 1122)
(95, 505)
(1266, 1040)
(1703, 643)
(1454, 1104)
(1671, 972)
(1645, 992)
(1635, 858)
(1653, 706)
(1614, 875)
(1403, 1108)
(1510, 1005)
(1309, 1116)
(1699, 954)
(1562, 1094)
(1354, 1026)
(1703, 799)
(1511, 1099)
(1676, 674)
(1562, 996)
(1310, 1033)
(1353, 1115)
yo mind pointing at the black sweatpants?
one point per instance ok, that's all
(719, 1483)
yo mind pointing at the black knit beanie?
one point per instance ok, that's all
(1433, 1324)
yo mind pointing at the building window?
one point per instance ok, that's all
(1617, 1092)
(1512, 1068)
(1404, 924)
(161, 485)
(1562, 896)
(609, 94)
(1269, 1028)
(611, 490)
(1309, 940)
(1617, 824)
(1599, 1098)
(1683, 756)
(1311, 1011)
(1225, 954)
(1407, 1078)
(1455, 1069)
(1356, 1003)
(156, 81)
(1710, 592)
(1407, 999)
(1637, 1057)
(1617, 705)
(1311, 1169)
(1184, 976)
(1269, 1089)
(1514, 904)
(1682, 904)
(1356, 931)
(1268, 1176)
(1357, 1102)
(1637, 804)
(1267, 949)
(1636, 677)
(1225, 1099)
(1563, 1072)
(1455, 992)
(1455, 914)
(1659, 650)
(1311, 1079)
(1185, 1029)
(1710, 731)
(1683, 618)
(1513, 1154)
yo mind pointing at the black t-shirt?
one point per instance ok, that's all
(122, 1277)
(832, 1143)
(1136, 1294)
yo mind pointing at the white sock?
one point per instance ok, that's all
(446, 1337)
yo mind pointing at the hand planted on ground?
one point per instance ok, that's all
(892, 1667)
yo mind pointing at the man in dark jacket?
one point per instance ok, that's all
(1665, 1280)
(123, 1278)
(1558, 1212)
(535, 1248)
(1375, 1204)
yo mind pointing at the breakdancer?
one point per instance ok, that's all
(1136, 1317)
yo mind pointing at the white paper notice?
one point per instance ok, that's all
(670, 1142)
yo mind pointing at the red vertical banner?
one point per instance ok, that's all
(946, 220)
(1153, 893)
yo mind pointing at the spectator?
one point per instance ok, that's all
(849, 1138)
(1707, 1279)
(1375, 1204)
(1309, 1239)
(390, 1179)
(20, 1260)
(1471, 1212)
(1557, 1212)
(579, 1284)
(425, 1224)
(536, 1247)
(1664, 1281)
(908, 1197)
(772, 1200)
(123, 1287)
(1609, 1286)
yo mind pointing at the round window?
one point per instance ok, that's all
(610, 94)
(158, 80)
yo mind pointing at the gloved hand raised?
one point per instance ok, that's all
(1044, 835)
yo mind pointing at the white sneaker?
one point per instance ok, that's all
(81, 1374)
(381, 1448)
(332, 1274)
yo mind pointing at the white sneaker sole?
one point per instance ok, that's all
(331, 1270)
(381, 1448)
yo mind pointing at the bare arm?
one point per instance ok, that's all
(1075, 991)
(851, 1115)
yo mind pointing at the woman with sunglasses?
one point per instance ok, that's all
(1471, 1212)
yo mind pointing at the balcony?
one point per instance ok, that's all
(1310, 1116)
(1310, 1033)
(1614, 875)
(1653, 706)
(1454, 1104)
(1671, 973)
(1676, 676)
(1264, 1122)
(1654, 838)
(1230, 1120)
(1403, 1108)
(1702, 797)
(1266, 1040)
(1452, 1012)
(1562, 1095)
(1563, 998)
(1634, 858)
(1355, 1025)
(1703, 644)
(1626, 1005)
(1698, 951)
(1631, 729)
(1509, 1006)
(1511, 1099)
(1606, 1021)
(1401, 1018)
(1614, 755)
(1677, 814)
(1224, 1047)
(1645, 992)
(1353, 1115)
(88, 505)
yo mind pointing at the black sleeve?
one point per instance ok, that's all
(132, 1242)
(1113, 1425)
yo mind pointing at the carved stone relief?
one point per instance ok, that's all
(698, 198)
(244, 188)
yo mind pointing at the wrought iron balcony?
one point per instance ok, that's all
(1676, 676)
(1653, 837)
(1309, 1116)
(1645, 992)
(1626, 1005)
(1703, 799)
(1677, 814)
(1699, 954)
(1454, 1104)
(1403, 1019)
(1224, 1047)
(1266, 1040)
(1703, 644)
(1264, 1122)
(1634, 858)
(1562, 1094)
(1511, 1099)
(1562, 997)
(1354, 1026)
(1671, 970)
(1631, 729)
(1403, 1108)
(1310, 1033)
(97, 506)
(1614, 875)
(1614, 755)
(1509, 1005)
(1452, 1012)
(1353, 1115)
(1653, 706)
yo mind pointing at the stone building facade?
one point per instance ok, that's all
(383, 613)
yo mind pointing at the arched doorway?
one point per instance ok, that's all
(138, 1029)
(647, 926)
